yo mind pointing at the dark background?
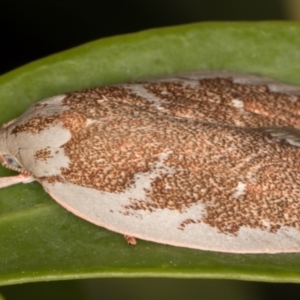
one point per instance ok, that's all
(31, 29)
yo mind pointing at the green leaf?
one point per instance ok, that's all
(39, 240)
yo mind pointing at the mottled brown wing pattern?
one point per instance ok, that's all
(206, 160)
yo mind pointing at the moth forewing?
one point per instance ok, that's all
(205, 160)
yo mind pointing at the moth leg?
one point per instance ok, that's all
(130, 239)
(21, 178)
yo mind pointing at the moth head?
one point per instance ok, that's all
(12, 163)
(7, 159)
(32, 145)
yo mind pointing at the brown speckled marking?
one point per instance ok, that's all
(52, 179)
(39, 105)
(69, 119)
(187, 222)
(213, 103)
(36, 124)
(43, 154)
(213, 149)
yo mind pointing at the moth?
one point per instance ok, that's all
(204, 160)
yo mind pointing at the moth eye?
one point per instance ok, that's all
(12, 162)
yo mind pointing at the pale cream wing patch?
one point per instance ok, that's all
(162, 225)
